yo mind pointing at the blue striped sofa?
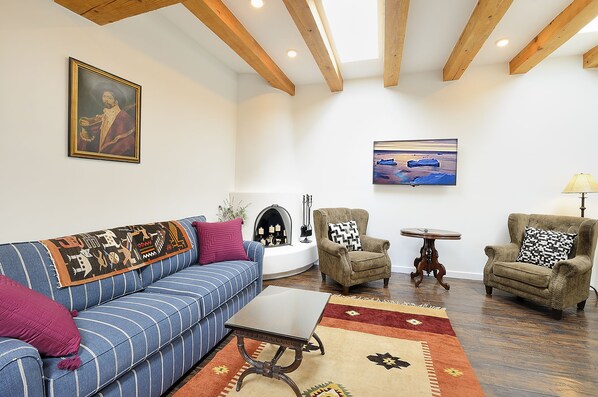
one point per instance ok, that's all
(140, 330)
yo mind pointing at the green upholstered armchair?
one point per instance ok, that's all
(566, 284)
(350, 267)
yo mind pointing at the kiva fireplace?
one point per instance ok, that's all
(273, 227)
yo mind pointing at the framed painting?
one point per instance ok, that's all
(415, 162)
(104, 115)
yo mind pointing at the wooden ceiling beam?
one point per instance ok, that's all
(395, 25)
(486, 15)
(104, 12)
(570, 21)
(216, 16)
(590, 58)
(310, 25)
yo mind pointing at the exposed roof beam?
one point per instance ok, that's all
(590, 58)
(395, 25)
(103, 12)
(484, 18)
(570, 21)
(216, 16)
(311, 27)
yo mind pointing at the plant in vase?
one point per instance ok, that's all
(229, 211)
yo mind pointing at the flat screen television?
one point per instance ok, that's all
(415, 162)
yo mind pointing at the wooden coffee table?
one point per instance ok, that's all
(284, 317)
(428, 256)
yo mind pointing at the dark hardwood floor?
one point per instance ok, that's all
(515, 347)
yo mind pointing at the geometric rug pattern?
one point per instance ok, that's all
(372, 349)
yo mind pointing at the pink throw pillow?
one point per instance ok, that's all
(34, 318)
(220, 241)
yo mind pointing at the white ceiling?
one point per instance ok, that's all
(433, 28)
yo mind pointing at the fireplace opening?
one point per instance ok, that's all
(273, 227)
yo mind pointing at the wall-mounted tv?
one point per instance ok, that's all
(416, 162)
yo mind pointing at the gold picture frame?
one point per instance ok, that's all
(104, 115)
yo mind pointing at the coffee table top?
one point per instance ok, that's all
(431, 233)
(287, 312)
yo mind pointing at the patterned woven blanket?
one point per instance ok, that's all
(86, 257)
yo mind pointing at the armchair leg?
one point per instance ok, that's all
(557, 314)
(581, 305)
(386, 282)
(345, 290)
(323, 277)
(488, 290)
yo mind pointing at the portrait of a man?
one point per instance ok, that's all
(104, 115)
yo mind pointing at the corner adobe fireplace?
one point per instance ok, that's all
(273, 227)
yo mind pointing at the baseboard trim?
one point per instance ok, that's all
(449, 273)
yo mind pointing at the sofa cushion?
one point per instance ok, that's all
(118, 335)
(364, 260)
(36, 319)
(171, 265)
(345, 234)
(154, 376)
(220, 241)
(30, 265)
(211, 284)
(545, 247)
(538, 276)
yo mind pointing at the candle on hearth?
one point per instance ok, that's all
(277, 228)
(271, 229)
(260, 231)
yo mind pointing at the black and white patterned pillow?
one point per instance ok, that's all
(345, 234)
(545, 247)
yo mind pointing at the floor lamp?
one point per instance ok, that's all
(584, 184)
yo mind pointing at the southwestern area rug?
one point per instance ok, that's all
(372, 349)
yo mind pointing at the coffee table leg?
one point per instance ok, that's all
(320, 344)
(269, 368)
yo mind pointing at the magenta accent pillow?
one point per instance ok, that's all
(220, 241)
(34, 318)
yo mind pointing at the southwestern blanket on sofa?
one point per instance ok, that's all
(86, 257)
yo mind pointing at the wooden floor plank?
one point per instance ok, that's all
(514, 346)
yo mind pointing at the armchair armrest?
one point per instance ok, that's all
(503, 253)
(373, 244)
(20, 369)
(572, 267)
(333, 248)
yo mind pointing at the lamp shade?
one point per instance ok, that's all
(581, 183)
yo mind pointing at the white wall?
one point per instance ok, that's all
(188, 124)
(521, 138)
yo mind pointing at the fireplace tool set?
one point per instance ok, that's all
(306, 227)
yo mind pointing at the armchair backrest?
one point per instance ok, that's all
(324, 216)
(585, 228)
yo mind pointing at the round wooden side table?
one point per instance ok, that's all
(428, 256)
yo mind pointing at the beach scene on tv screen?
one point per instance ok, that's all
(419, 162)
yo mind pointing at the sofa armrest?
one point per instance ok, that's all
(332, 248)
(503, 253)
(20, 369)
(572, 267)
(373, 244)
(255, 253)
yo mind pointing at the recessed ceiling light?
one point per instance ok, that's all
(502, 42)
(291, 53)
(257, 3)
